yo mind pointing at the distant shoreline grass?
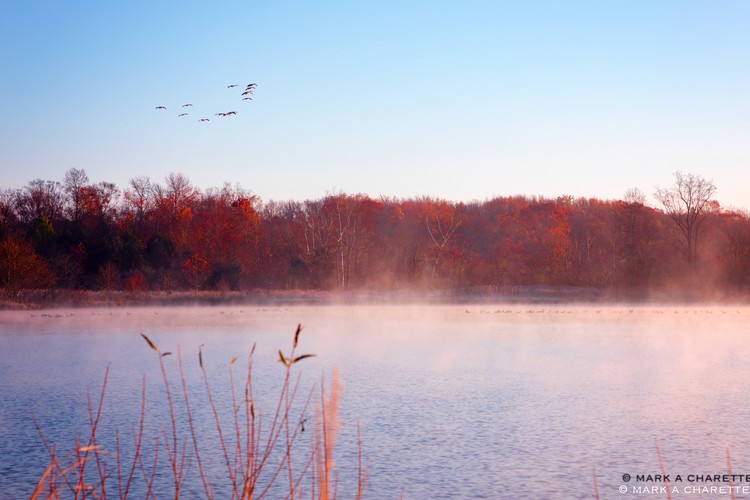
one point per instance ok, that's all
(535, 294)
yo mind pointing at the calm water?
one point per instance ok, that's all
(477, 401)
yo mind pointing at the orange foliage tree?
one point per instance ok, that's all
(21, 267)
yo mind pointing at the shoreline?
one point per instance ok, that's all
(531, 294)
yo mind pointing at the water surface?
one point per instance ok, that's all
(477, 401)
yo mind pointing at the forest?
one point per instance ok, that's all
(171, 236)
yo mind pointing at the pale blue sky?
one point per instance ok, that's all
(461, 100)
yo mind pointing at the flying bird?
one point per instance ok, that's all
(204, 120)
(186, 105)
(247, 98)
(160, 107)
(182, 114)
(247, 92)
(231, 86)
(220, 114)
(230, 113)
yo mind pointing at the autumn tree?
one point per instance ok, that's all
(441, 221)
(495, 256)
(593, 242)
(139, 201)
(635, 226)
(175, 201)
(351, 220)
(38, 208)
(736, 251)
(196, 270)
(687, 203)
(39, 199)
(177, 194)
(403, 236)
(73, 183)
(319, 242)
(8, 219)
(99, 201)
(544, 233)
(108, 277)
(21, 267)
(223, 229)
(282, 258)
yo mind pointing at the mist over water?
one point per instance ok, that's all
(454, 401)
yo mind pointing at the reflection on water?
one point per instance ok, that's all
(477, 401)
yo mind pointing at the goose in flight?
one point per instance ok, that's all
(230, 113)
(187, 105)
(220, 114)
(247, 98)
(204, 120)
(160, 107)
(182, 114)
(231, 86)
(247, 92)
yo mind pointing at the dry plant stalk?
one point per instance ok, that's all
(49, 485)
(729, 470)
(596, 485)
(247, 448)
(328, 427)
(663, 470)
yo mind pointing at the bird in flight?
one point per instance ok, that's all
(249, 89)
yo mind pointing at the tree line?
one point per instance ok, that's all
(75, 234)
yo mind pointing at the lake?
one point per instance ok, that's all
(452, 401)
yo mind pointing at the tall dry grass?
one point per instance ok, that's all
(326, 432)
(262, 450)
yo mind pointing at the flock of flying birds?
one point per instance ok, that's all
(246, 96)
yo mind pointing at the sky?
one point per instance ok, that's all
(458, 100)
